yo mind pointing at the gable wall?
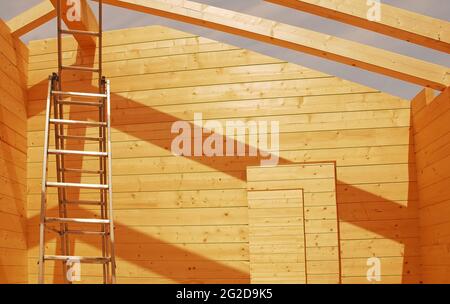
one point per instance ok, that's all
(186, 219)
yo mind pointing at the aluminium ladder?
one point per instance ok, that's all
(101, 227)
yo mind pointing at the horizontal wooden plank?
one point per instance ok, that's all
(434, 130)
(152, 65)
(12, 205)
(157, 125)
(383, 210)
(164, 182)
(434, 172)
(136, 50)
(435, 234)
(164, 252)
(189, 78)
(285, 172)
(157, 199)
(12, 223)
(13, 274)
(378, 229)
(49, 279)
(399, 279)
(390, 266)
(171, 217)
(246, 89)
(433, 152)
(394, 192)
(167, 234)
(16, 73)
(380, 248)
(427, 107)
(165, 269)
(14, 49)
(13, 240)
(435, 213)
(309, 185)
(225, 105)
(112, 38)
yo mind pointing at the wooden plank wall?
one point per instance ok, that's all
(13, 148)
(185, 219)
(319, 213)
(431, 116)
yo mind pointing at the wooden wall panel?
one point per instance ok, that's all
(276, 236)
(431, 116)
(13, 149)
(194, 209)
(319, 212)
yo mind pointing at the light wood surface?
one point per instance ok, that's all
(432, 152)
(316, 238)
(194, 210)
(395, 22)
(13, 149)
(344, 51)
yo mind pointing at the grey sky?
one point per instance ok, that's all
(116, 18)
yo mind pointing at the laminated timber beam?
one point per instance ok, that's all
(32, 18)
(395, 22)
(333, 48)
(46, 11)
(322, 45)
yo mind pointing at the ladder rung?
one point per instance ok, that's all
(81, 259)
(80, 94)
(76, 185)
(76, 220)
(78, 32)
(81, 202)
(74, 152)
(79, 68)
(81, 137)
(80, 103)
(83, 171)
(77, 122)
(82, 232)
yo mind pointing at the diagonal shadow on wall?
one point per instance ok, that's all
(238, 169)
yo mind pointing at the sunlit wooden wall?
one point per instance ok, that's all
(431, 117)
(13, 147)
(185, 219)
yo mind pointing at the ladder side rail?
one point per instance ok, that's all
(44, 183)
(102, 143)
(110, 199)
(59, 34)
(59, 144)
(100, 45)
(59, 129)
(103, 180)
